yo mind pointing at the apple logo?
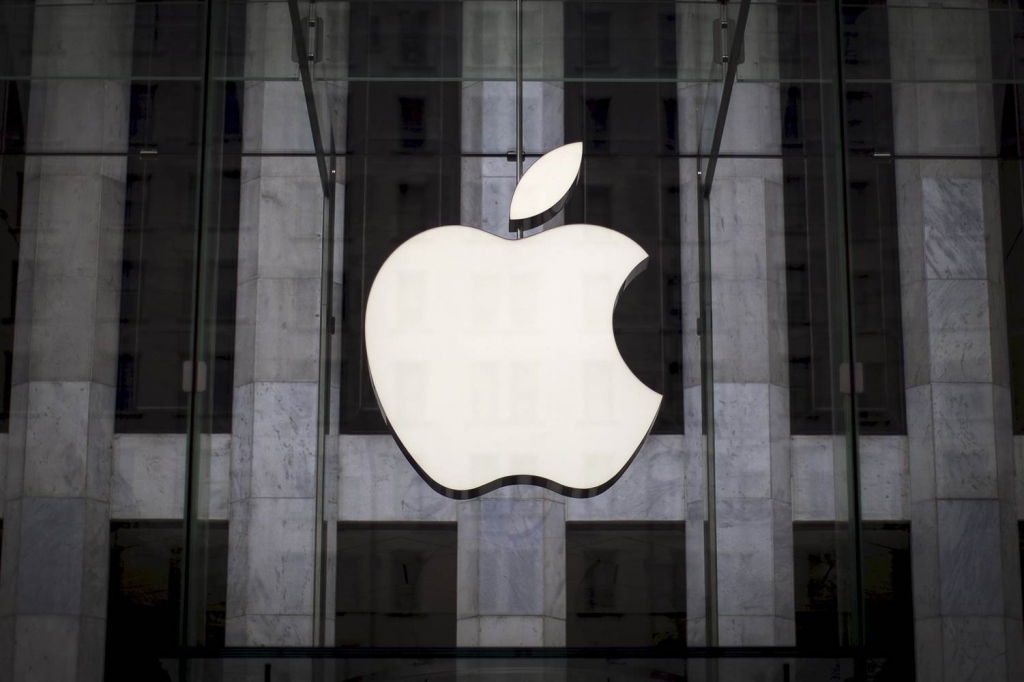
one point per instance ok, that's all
(494, 361)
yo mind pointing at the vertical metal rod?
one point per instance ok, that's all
(519, 98)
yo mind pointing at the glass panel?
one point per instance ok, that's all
(396, 585)
(775, 184)
(196, 197)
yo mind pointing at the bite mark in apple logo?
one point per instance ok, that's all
(494, 361)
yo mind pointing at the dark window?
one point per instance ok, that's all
(396, 585)
(15, 60)
(403, 169)
(630, 177)
(873, 247)
(625, 584)
(1008, 65)
(162, 192)
(820, 576)
(144, 600)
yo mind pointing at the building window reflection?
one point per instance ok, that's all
(824, 582)
(396, 585)
(625, 584)
(144, 598)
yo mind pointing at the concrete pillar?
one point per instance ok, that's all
(511, 569)
(966, 572)
(53, 581)
(751, 385)
(274, 434)
(511, 561)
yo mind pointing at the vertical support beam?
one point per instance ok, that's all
(966, 572)
(754, 520)
(53, 581)
(274, 431)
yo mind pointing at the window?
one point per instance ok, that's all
(625, 584)
(402, 166)
(874, 247)
(888, 600)
(630, 176)
(396, 585)
(15, 59)
(1006, 66)
(144, 600)
(162, 191)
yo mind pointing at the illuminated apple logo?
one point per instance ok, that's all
(494, 361)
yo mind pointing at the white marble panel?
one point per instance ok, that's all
(35, 656)
(916, 341)
(927, 648)
(16, 436)
(9, 569)
(287, 330)
(954, 229)
(964, 441)
(742, 441)
(511, 631)
(814, 497)
(745, 630)
(740, 333)
(920, 439)
(884, 478)
(739, 248)
(245, 330)
(275, 630)
(974, 648)
(51, 556)
(377, 483)
(651, 489)
(779, 439)
(290, 222)
(510, 556)
(284, 440)
(56, 442)
(753, 123)
(240, 483)
(280, 565)
(59, 125)
(959, 345)
(924, 544)
(219, 447)
(148, 478)
(745, 557)
(61, 327)
(969, 540)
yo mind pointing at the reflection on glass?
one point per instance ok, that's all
(625, 584)
(396, 585)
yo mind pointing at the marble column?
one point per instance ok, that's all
(274, 430)
(511, 561)
(511, 569)
(964, 549)
(53, 581)
(750, 392)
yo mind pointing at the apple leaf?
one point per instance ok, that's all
(545, 187)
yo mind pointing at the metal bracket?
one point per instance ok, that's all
(723, 30)
(314, 40)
